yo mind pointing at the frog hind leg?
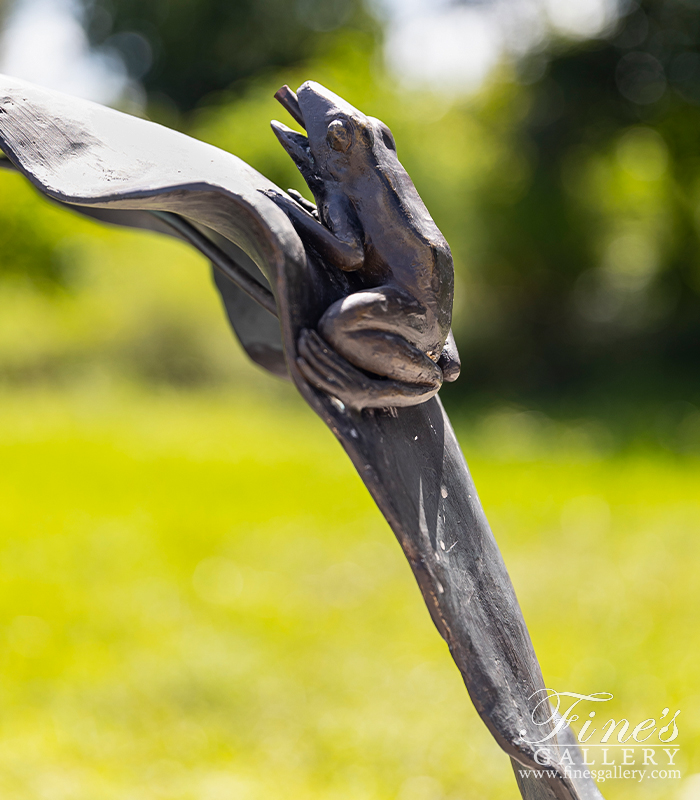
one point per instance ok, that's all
(386, 331)
(331, 373)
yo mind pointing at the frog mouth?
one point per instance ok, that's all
(296, 144)
(288, 100)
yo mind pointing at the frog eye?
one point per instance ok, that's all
(339, 136)
(388, 137)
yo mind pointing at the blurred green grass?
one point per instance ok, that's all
(199, 600)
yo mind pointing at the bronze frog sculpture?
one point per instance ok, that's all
(388, 342)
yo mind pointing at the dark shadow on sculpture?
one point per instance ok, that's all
(120, 169)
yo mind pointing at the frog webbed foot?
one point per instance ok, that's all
(307, 205)
(328, 371)
(286, 203)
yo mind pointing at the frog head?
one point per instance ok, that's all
(341, 144)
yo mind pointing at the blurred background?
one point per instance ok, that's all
(198, 599)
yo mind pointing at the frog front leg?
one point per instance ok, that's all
(342, 246)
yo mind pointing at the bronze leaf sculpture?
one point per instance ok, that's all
(352, 299)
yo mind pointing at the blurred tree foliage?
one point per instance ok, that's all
(33, 248)
(183, 50)
(590, 245)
